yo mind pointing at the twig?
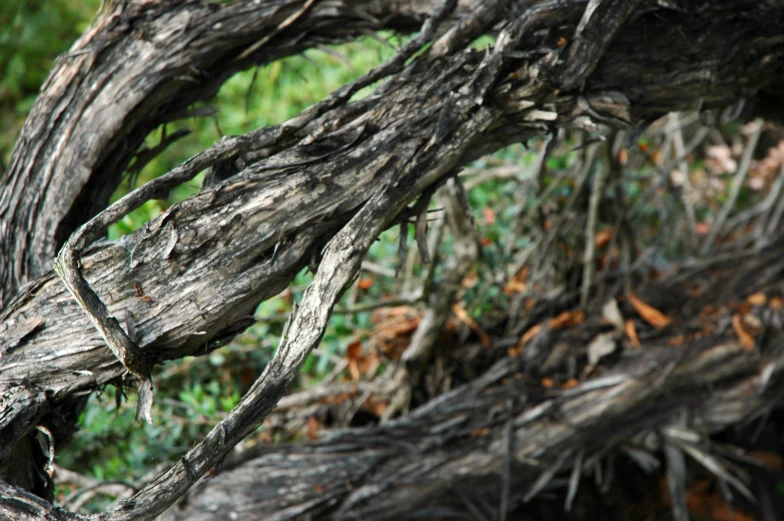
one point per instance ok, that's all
(362, 308)
(597, 193)
(683, 168)
(739, 178)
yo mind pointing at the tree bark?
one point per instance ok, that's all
(209, 260)
(451, 452)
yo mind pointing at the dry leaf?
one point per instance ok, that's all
(392, 334)
(561, 42)
(527, 336)
(603, 238)
(757, 299)
(354, 351)
(631, 333)
(313, 426)
(677, 340)
(470, 280)
(623, 157)
(489, 216)
(462, 316)
(567, 319)
(776, 303)
(518, 282)
(377, 407)
(570, 383)
(365, 283)
(745, 338)
(769, 460)
(481, 431)
(353, 354)
(712, 505)
(547, 382)
(649, 313)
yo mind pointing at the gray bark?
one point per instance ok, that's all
(339, 170)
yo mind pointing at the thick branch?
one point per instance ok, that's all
(244, 240)
(149, 62)
(452, 450)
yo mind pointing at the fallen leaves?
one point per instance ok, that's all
(365, 283)
(361, 364)
(462, 316)
(527, 336)
(630, 329)
(567, 319)
(649, 313)
(517, 283)
(757, 299)
(744, 336)
(392, 333)
(603, 238)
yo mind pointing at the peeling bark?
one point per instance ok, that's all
(309, 183)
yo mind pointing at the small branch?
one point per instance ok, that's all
(362, 308)
(597, 193)
(683, 168)
(738, 180)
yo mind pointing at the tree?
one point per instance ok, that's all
(318, 190)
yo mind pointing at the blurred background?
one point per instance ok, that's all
(562, 224)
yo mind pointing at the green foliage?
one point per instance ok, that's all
(32, 34)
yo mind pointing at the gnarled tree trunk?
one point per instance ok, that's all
(317, 190)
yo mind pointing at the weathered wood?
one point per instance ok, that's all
(452, 450)
(209, 260)
(149, 62)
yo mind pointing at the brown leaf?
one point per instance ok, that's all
(623, 157)
(677, 340)
(462, 316)
(649, 313)
(489, 216)
(769, 460)
(470, 280)
(354, 351)
(518, 282)
(745, 338)
(528, 335)
(631, 333)
(757, 299)
(313, 426)
(567, 319)
(570, 383)
(365, 283)
(377, 407)
(547, 382)
(712, 506)
(603, 238)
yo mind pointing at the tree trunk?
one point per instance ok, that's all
(316, 191)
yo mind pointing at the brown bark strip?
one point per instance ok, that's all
(352, 168)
